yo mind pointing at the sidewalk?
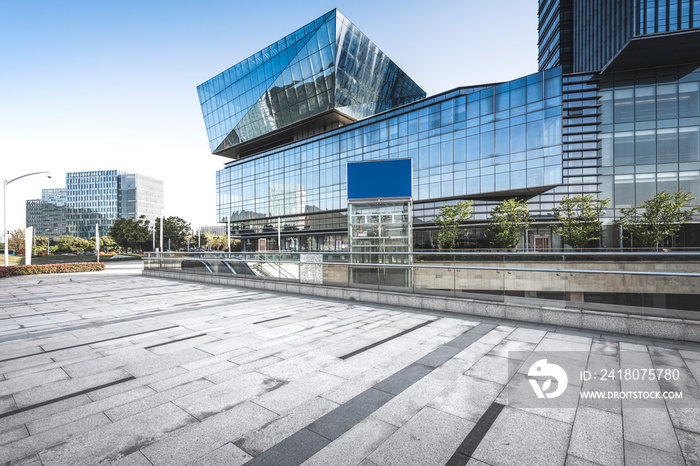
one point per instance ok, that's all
(114, 367)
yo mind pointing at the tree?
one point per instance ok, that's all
(107, 244)
(449, 218)
(16, 239)
(662, 217)
(509, 220)
(176, 230)
(64, 244)
(40, 244)
(579, 219)
(207, 240)
(82, 245)
(218, 243)
(128, 233)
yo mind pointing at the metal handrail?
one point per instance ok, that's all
(463, 267)
(441, 253)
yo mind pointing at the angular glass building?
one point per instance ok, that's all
(605, 114)
(325, 74)
(96, 197)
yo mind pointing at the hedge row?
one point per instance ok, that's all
(51, 268)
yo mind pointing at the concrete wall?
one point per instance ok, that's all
(557, 281)
(630, 324)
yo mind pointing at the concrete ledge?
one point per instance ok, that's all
(639, 325)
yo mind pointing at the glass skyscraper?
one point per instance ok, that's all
(96, 197)
(599, 117)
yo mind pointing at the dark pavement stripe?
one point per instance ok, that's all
(270, 320)
(465, 451)
(175, 341)
(88, 343)
(65, 397)
(308, 441)
(368, 347)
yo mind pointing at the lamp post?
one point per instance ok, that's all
(4, 207)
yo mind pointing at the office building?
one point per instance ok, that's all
(613, 111)
(91, 198)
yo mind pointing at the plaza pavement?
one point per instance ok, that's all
(115, 367)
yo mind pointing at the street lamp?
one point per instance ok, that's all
(4, 207)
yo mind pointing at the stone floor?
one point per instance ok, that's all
(114, 367)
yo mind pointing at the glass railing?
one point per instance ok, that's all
(650, 283)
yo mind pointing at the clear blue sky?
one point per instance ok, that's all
(97, 85)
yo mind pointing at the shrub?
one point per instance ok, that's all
(51, 268)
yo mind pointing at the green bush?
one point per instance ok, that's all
(51, 268)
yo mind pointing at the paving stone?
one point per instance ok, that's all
(690, 354)
(447, 373)
(193, 374)
(468, 398)
(354, 445)
(572, 460)
(597, 436)
(197, 440)
(297, 392)
(398, 382)
(7, 403)
(26, 382)
(167, 361)
(13, 434)
(643, 455)
(227, 455)
(367, 462)
(138, 382)
(293, 450)
(605, 347)
(506, 346)
(650, 427)
(32, 460)
(83, 411)
(527, 335)
(222, 397)
(225, 376)
(117, 360)
(345, 416)
(297, 366)
(492, 368)
(134, 459)
(257, 441)
(151, 399)
(555, 344)
(518, 437)
(65, 387)
(438, 356)
(405, 405)
(572, 336)
(119, 439)
(690, 446)
(30, 445)
(428, 438)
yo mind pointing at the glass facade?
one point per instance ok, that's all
(96, 197)
(554, 34)
(140, 195)
(467, 142)
(584, 36)
(650, 134)
(655, 16)
(329, 64)
(579, 126)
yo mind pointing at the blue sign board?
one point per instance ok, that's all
(380, 179)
